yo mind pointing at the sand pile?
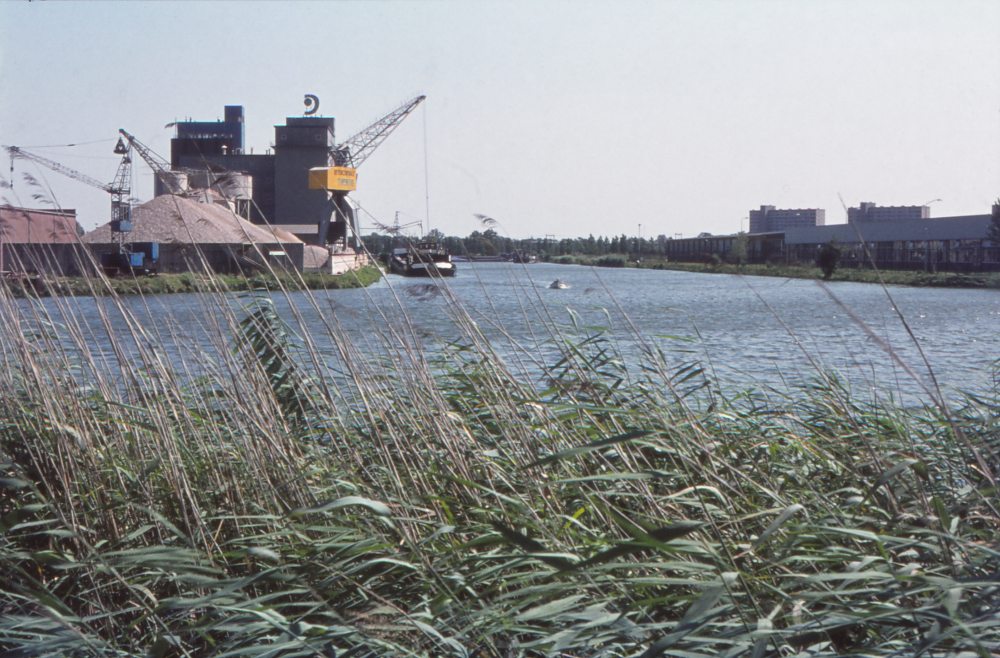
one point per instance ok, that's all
(313, 257)
(170, 219)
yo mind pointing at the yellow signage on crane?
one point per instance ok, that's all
(337, 179)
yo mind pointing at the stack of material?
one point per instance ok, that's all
(314, 259)
(172, 219)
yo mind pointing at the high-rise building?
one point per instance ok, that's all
(869, 212)
(769, 219)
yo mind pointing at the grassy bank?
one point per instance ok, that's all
(866, 275)
(268, 502)
(191, 282)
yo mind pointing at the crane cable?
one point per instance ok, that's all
(56, 146)
(427, 185)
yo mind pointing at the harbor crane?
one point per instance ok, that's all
(119, 189)
(396, 228)
(341, 176)
(125, 257)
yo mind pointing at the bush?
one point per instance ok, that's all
(737, 254)
(828, 258)
(612, 260)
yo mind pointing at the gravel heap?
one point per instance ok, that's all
(170, 219)
(314, 257)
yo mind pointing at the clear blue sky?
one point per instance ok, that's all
(554, 118)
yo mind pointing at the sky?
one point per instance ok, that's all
(553, 118)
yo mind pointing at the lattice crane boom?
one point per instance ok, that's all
(355, 150)
(119, 188)
(159, 166)
(15, 152)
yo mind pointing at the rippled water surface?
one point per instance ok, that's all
(751, 330)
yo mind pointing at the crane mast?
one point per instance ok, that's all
(121, 209)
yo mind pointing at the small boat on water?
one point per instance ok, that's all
(558, 285)
(426, 258)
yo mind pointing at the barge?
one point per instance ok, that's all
(425, 258)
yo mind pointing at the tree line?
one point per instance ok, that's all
(491, 243)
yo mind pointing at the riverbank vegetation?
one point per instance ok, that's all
(298, 493)
(44, 286)
(623, 251)
(857, 275)
(489, 242)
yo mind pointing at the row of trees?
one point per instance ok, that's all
(491, 243)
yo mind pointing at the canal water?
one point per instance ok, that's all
(751, 332)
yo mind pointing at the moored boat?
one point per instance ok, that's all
(426, 258)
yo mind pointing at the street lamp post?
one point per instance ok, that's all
(927, 204)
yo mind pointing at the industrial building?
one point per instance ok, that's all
(212, 186)
(768, 218)
(278, 180)
(38, 240)
(301, 186)
(945, 244)
(869, 212)
(761, 247)
(35, 225)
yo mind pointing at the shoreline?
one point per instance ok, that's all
(188, 282)
(915, 279)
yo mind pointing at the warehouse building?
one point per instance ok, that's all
(39, 240)
(947, 244)
(761, 247)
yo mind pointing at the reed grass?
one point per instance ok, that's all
(301, 493)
